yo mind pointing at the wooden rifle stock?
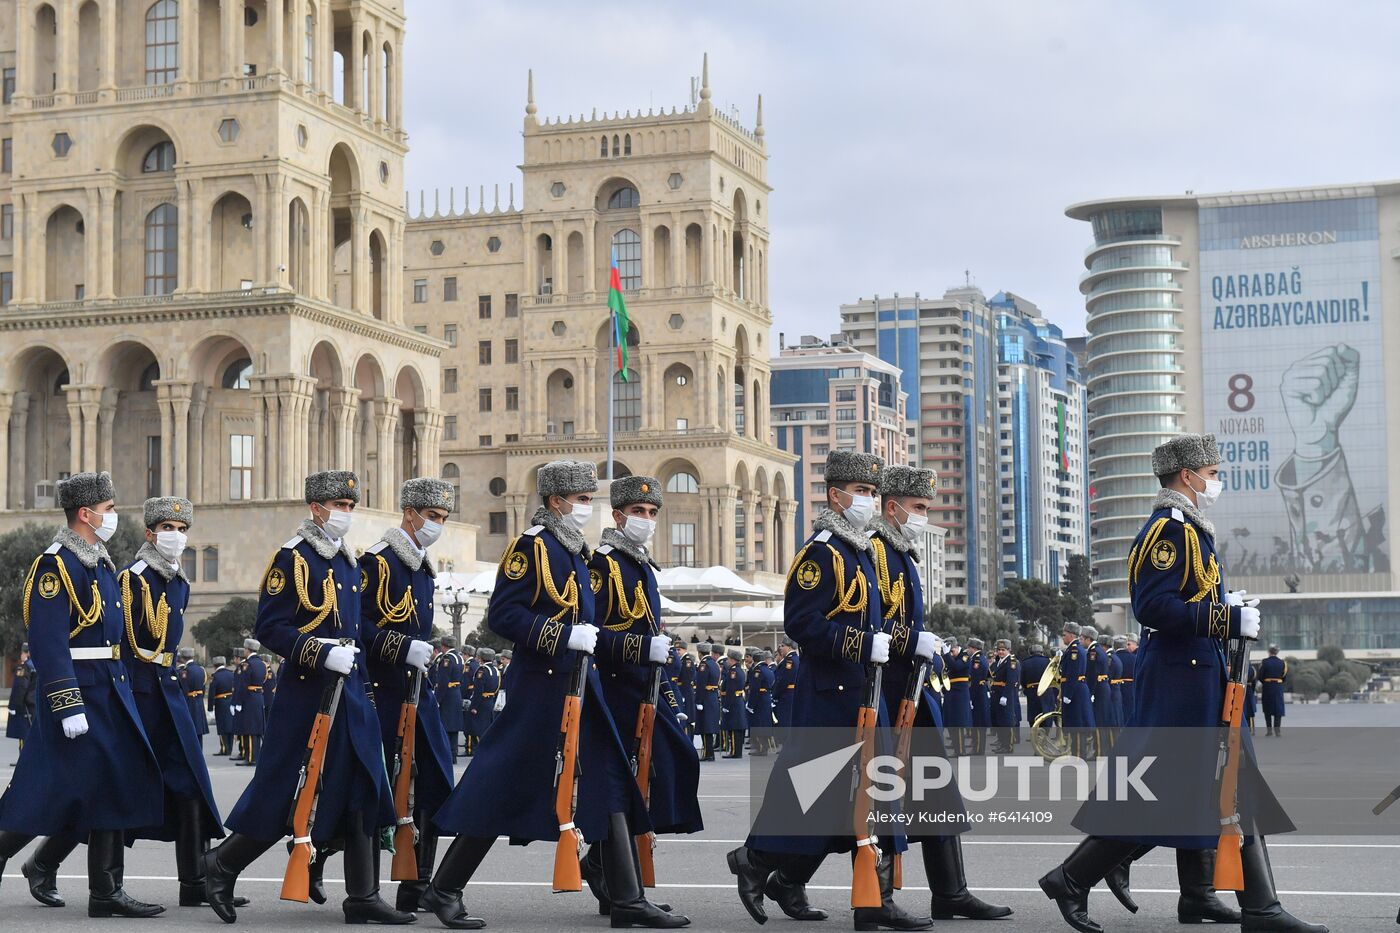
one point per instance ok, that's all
(1229, 870)
(641, 767)
(405, 864)
(904, 737)
(567, 876)
(296, 882)
(865, 882)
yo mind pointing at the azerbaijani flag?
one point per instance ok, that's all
(622, 324)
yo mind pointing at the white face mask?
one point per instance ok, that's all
(579, 515)
(171, 544)
(429, 533)
(638, 530)
(337, 524)
(1214, 488)
(108, 527)
(914, 525)
(860, 511)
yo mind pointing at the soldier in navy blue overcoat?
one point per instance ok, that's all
(469, 668)
(1273, 672)
(447, 685)
(1076, 696)
(486, 687)
(20, 717)
(733, 699)
(622, 576)
(1127, 656)
(219, 697)
(250, 716)
(544, 603)
(1189, 620)
(1032, 669)
(87, 771)
(686, 684)
(977, 676)
(193, 681)
(957, 699)
(784, 679)
(761, 680)
(397, 582)
(309, 614)
(1251, 702)
(1004, 683)
(1098, 674)
(832, 609)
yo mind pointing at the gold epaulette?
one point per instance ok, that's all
(391, 613)
(891, 593)
(301, 576)
(86, 617)
(638, 610)
(848, 599)
(156, 618)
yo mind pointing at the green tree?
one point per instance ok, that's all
(1078, 589)
(1342, 685)
(1035, 603)
(226, 628)
(1307, 683)
(1331, 654)
(18, 549)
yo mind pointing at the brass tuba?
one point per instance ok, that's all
(1047, 732)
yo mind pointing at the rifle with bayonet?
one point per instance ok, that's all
(296, 882)
(405, 864)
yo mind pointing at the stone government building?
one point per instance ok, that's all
(208, 286)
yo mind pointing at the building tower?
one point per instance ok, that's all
(202, 287)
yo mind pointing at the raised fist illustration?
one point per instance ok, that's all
(1318, 393)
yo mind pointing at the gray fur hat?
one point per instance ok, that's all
(1105, 639)
(332, 484)
(850, 466)
(1088, 631)
(716, 648)
(1070, 628)
(735, 654)
(449, 642)
(186, 652)
(1273, 649)
(251, 644)
(629, 490)
(425, 493)
(239, 653)
(167, 509)
(767, 656)
(507, 654)
(1185, 452)
(1037, 648)
(566, 477)
(1131, 638)
(1120, 641)
(487, 654)
(951, 641)
(469, 651)
(704, 648)
(908, 481)
(85, 489)
(1004, 643)
(974, 643)
(220, 660)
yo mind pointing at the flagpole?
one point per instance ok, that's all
(612, 380)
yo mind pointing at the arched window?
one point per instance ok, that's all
(159, 158)
(604, 152)
(623, 198)
(453, 474)
(163, 42)
(628, 248)
(683, 482)
(162, 256)
(309, 51)
(236, 376)
(627, 144)
(60, 383)
(627, 402)
(148, 378)
(616, 149)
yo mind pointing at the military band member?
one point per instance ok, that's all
(906, 495)
(977, 676)
(1100, 672)
(219, 697)
(1273, 672)
(193, 681)
(21, 694)
(687, 689)
(622, 575)
(708, 680)
(957, 701)
(309, 614)
(485, 689)
(761, 680)
(447, 684)
(734, 716)
(1032, 669)
(87, 770)
(832, 609)
(784, 680)
(1176, 585)
(1116, 644)
(1127, 656)
(1005, 682)
(251, 711)
(239, 699)
(1076, 697)
(469, 668)
(544, 603)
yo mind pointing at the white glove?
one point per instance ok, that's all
(238, 709)
(1067, 699)
(880, 648)
(341, 659)
(1002, 701)
(682, 718)
(699, 705)
(658, 651)
(928, 645)
(583, 637)
(418, 654)
(1235, 597)
(1249, 622)
(75, 726)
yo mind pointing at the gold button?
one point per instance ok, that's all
(122, 678)
(840, 686)
(550, 671)
(354, 587)
(1193, 662)
(337, 586)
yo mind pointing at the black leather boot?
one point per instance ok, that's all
(888, 915)
(1069, 883)
(362, 901)
(221, 868)
(630, 908)
(41, 869)
(10, 846)
(591, 868)
(752, 867)
(444, 894)
(190, 846)
(410, 892)
(1198, 903)
(1118, 879)
(787, 886)
(1261, 908)
(106, 898)
(947, 879)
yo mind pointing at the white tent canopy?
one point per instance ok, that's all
(710, 584)
(484, 582)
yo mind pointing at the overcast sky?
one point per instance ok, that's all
(909, 142)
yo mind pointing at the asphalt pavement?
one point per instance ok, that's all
(1352, 883)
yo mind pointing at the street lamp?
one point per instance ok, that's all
(455, 601)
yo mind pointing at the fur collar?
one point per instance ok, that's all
(398, 543)
(622, 543)
(827, 520)
(157, 562)
(566, 534)
(89, 555)
(893, 537)
(1171, 499)
(315, 536)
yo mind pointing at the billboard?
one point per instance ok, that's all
(1291, 369)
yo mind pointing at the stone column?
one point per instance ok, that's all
(355, 84)
(296, 60)
(189, 43)
(767, 508)
(559, 269)
(84, 405)
(179, 469)
(344, 412)
(707, 252)
(16, 426)
(260, 439)
(275, 223)
(396, 118)
(376, 74)
(677, 250)
(66, 12)
(787, 508)
(427, 425)
(231, 36)
(517, 504)
(750, 500)
(318, 277)
(7, 404)
(728, 500)
(298, 396)
(360, 273)
(585, 392)
(107, 239)
(590, 274)
(393, 275)
(186, 238)
(276, 24)
(199, 403)
(24, 48)
(167, 436)
(106, 415)
(108, 40)
(386, 421)
(23, 280)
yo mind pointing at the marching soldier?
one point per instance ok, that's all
(486, 688)
(1032, 669)
(1251, 705)
(447, 678)
(192, 681)
(978, 693)
(252, 716)
(1176, 585)
(1273, 671)
(396, 622)
(1076, 698)
(505, 665)
(734, 705)
(544, 603)
(469, 668)
(87, 771)
(240, 697)
(832, 609)
(957, 701)
(906, 494)
(784, 679)
(707, 701)
(1005, 680)
(309, 614)
(269, 687)
(1128, 658)
(1100, 669)
(1115, 678)
(622, 576)
(21, 714)
(220, 701)
(687, 689)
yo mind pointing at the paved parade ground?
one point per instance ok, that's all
(1352, 883)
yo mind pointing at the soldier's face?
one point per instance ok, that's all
(639, 509)
(165, 526)
(1002, 652)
